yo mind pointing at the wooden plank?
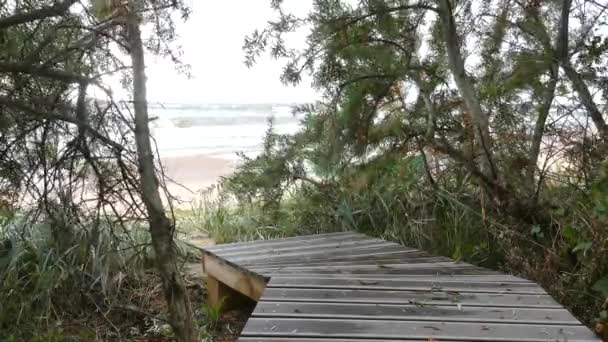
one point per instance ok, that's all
(346, 286)
(215, 293)
(356, 253)
(387, 266)
(224, 298)
(414, 330)
(442, 313)
(410, 297)
(423, 268)
(245, 282)
(353, 252)
(488, 278)
(308, 339)
(369, 261)
(411, 285)
(328, 246)
(271, 244)
(297, 239)
(382, 264)
(374, 270)
(303, 264)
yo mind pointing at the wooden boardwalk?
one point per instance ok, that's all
(350, 287)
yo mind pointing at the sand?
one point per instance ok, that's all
(190, 175)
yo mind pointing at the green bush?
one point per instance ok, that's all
(390, 196)
(50, 273)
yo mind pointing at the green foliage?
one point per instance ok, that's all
(601, 286)
(386, 196)
(213, 314)
(101, 9)
(42, 280)
(527, 69)
(55, 335)
(225, 223)
(71, 206)
(394, 149)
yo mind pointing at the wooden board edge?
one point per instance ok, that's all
(237, 278)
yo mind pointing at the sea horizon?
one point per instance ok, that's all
(219, 130)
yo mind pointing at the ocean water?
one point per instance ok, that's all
(219, 130)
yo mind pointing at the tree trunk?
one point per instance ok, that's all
(559, 51)
(539, 131)
(465, 86)
(161, 228)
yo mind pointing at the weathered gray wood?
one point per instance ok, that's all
(473, 278)
(308, 339)
(413, 285)
(329, 246)
(410, 297)
(349, 287)
(398, 265)
(411, 268)
(270, 250)
(270, 244)
(442, 313)
(328, 264)
(425, 270)
(354, 255)
(297, 239)
(378, 329)
(353, 252)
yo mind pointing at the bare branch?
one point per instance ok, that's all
(26, 109)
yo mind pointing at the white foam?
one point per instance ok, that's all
(217, 131)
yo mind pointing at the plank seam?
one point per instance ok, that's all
(347, 301)
(415, 320)
(399, 289)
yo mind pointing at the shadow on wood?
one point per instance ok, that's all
(225, 298)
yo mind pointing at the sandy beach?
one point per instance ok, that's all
(191, 174)
(198, 142)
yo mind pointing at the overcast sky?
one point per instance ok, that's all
(212, 41)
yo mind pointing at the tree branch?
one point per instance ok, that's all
(586, 98)
(427, 169)
(491, 184)
(559, 51)
(59, 117)
(37, 70)
(539, 127)
(354, 20)
(38, 14)
(319, 185)
(430, 108)
(577, 80)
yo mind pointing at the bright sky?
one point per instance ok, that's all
(212, 41)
